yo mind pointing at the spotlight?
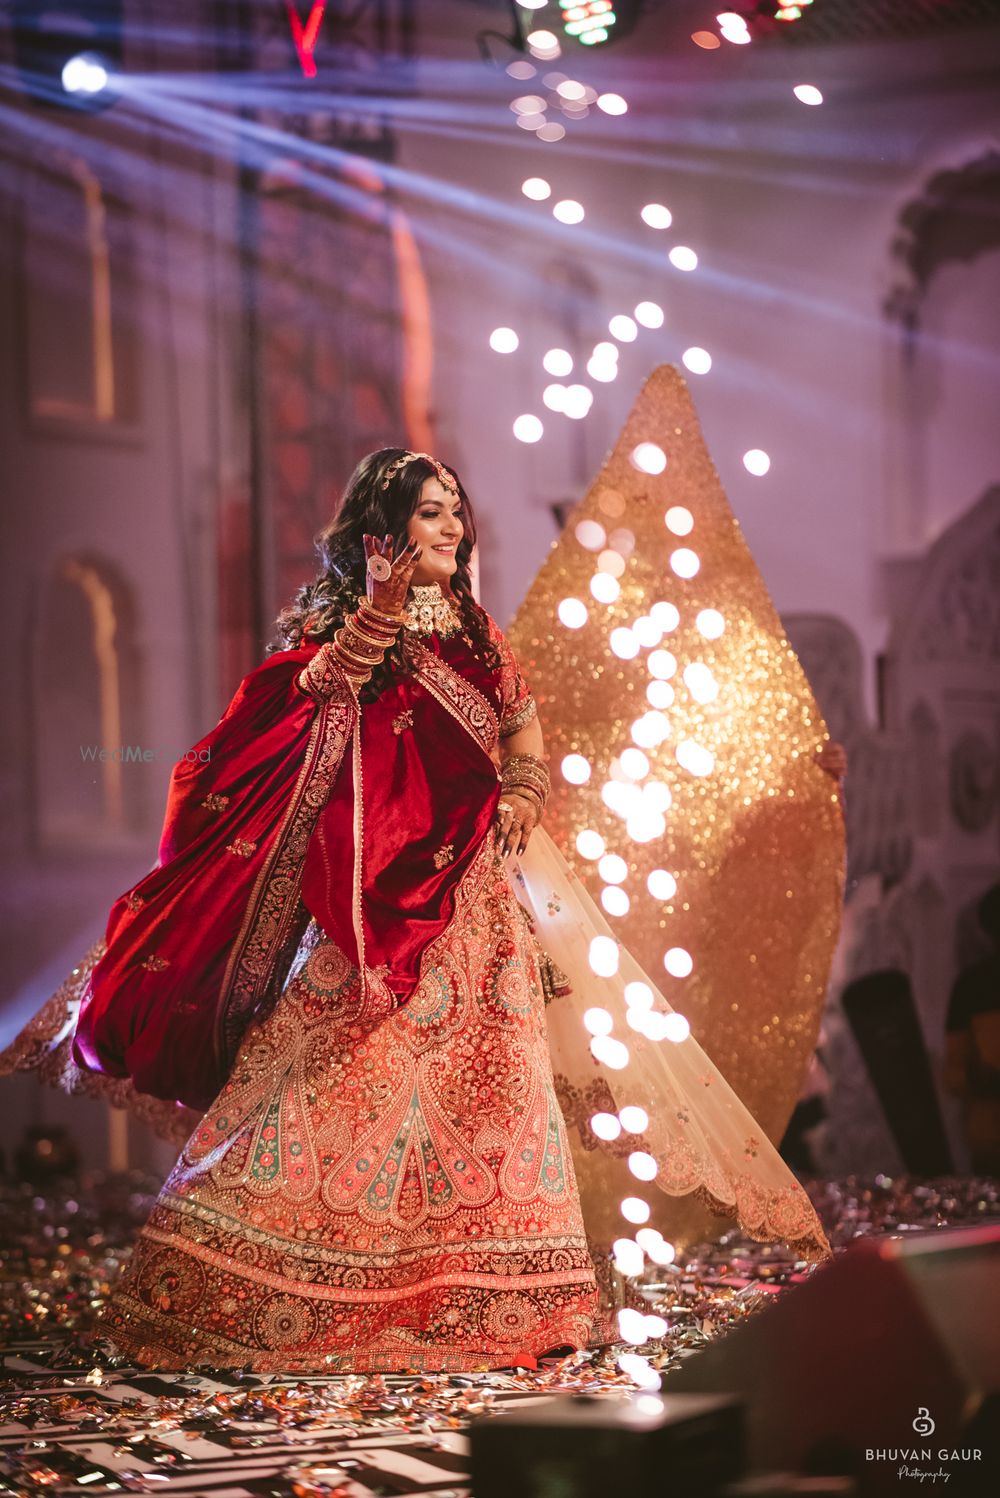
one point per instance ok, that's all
(68, 53)
(85, 74)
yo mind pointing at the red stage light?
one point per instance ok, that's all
(306, 36)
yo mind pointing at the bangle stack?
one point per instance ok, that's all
(362, 641)
(528, 776)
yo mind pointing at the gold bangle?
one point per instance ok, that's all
(396, 620)
(355, 642)
(357, 637)
(345, 652)
(362, 634)
(384, 631)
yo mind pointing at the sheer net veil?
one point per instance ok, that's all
(706, 1146)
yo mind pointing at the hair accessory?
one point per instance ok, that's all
(444, 476)
(379, 568)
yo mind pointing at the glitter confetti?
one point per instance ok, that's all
(74, 1418)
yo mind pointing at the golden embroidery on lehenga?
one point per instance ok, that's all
(215, 802)
(444, 856)
(376, 1187)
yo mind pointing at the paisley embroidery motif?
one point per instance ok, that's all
(376, 1187)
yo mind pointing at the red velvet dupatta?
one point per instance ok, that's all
(268, 821)
(194, 948)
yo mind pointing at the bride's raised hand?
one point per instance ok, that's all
(388, 581)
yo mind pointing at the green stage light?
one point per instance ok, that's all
(588, 21)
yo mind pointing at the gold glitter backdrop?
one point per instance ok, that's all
(756, 846)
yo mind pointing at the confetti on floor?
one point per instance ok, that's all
(75, 1419)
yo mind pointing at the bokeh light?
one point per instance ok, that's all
(678, 962)
(603, 956)
(612, 868)
(684, 561)
(615, 901)
(675, 1028)
(537, 189)
(557, 362)
(605, 1126)
(697, 360)
(661, 884)
(575, 769)
(573, 613)
(642, 1165)
(700, 682)
(610, 1052)
(590, 534)
(634, 1209)
(807, 93)
(629, 1257)
(682, 257)
(579, 399)
(612, 104)
(665, 615)
(633, 1119)
(710, 624)
(756, 461)
(695, 758)
(623, 328)
(503, 340)
(647, 631)
(662, 664)
(650, 314)
(568, 211)
(589, 844)
(648, 458)
(679, 520)
(634, 764)
(604, 587)
(598, 1021)
(528, 428)
(657, 216)
(624, 643)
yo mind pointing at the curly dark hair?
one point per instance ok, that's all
(319, 607)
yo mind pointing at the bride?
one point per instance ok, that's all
(332, 967)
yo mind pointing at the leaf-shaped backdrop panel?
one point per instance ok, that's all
(721, 710)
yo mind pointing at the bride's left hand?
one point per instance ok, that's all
(517, 817)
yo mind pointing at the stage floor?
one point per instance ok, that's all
(73, 1419)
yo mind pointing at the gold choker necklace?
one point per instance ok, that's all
(428, 612)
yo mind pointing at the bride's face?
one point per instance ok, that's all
(436, 526)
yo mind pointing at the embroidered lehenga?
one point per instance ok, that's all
(334, 961)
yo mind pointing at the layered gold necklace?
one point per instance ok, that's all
(429, 612)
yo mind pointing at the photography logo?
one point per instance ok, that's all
(924, 1463)
(923, 1424)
